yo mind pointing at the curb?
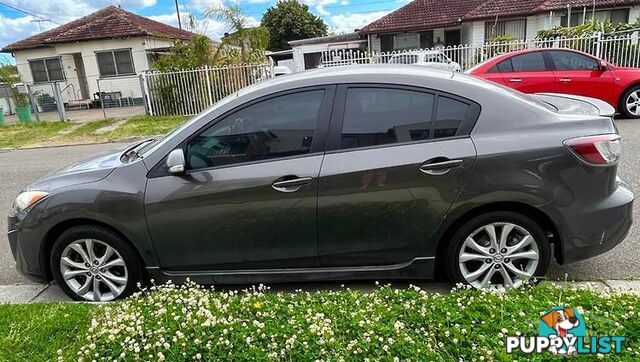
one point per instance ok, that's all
(122, 140)
(38, 293)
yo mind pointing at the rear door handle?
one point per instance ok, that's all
(439, 168)
(515, 80)
(291, 185)
(565, 80)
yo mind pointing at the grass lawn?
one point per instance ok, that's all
(45, 133)
(193, 323)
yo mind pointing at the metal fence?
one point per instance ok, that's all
(188, 92)
(621, 49)
(118, 97)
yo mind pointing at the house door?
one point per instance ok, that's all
(452, 37)
(82, 77)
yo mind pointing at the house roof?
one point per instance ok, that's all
(428, 14)
(110, 22)
(327, 39)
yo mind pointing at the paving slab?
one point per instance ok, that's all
(632, 286)
(593, 285)
(52, 293)
(21, 293)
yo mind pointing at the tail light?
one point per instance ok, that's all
(596, 150)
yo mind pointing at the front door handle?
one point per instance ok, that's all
(292, 184)
(515, 80)
(565, 80)
(440, 167)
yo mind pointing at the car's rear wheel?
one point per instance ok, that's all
(629, 104)
(498, 250)
(93, 263)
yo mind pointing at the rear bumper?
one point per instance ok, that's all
(597, 228)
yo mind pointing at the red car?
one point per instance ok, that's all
(552, 70)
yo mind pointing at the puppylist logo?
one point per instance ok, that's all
(562, 331)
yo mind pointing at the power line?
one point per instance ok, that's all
(28, 12)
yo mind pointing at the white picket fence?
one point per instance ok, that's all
(620, 49)
(188, 92)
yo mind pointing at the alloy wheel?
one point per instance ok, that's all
(94, 270)
(498, 255)
(633, 103)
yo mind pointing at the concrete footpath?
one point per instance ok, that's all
(34, 293)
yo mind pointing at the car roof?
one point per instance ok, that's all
(498, 58)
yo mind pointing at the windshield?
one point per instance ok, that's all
(158, 142)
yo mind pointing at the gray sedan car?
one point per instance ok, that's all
(376, 172)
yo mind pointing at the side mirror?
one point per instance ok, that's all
(603, 65)
(175, 162)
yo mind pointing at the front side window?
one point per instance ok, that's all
(115, 62)
(377, 116)
(277, 127)
(528, 62)
(564, 60)
(46, 70)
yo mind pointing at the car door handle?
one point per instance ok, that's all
(515, 80)
(291, 185)
(439, 168)
(565, 80)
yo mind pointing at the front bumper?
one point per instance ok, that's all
(597, 228)
(25, 249)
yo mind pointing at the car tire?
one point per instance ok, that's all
(86, 257)
(474, 260)
(623, 108)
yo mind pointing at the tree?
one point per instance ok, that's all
(186, 55)
(291, 20)
(250, 42)
(9, 74)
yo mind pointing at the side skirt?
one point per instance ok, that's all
(418, 268)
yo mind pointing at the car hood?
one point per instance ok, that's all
(91, 169)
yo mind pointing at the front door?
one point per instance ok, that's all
(581, 75)
(397, 159)
(452, 37)
(82, 77)
(248, 199)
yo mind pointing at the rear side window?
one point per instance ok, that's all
(564, 60)
(379, 116)
(450, 115)
(528, 62)
(502, 67)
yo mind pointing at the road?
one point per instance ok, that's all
(21, 167)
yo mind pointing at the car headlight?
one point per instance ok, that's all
(28, 198)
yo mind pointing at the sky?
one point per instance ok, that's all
(22, 18)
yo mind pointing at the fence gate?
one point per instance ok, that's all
(120, 97)
(188, 92)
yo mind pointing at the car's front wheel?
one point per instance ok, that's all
(629, 104)
(498, 250)
(93, 263)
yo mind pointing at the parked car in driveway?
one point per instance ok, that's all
(567, 71)
(357, 172)
(425, 58)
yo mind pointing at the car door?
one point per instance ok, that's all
(527, 72)
(581, 75)
(397, 158)
(248, 199)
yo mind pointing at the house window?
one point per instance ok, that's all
(515, 28)
(386, 42)
(426, 39)
(46, 70)
(115, 62)
(614, 16)
(406, 41)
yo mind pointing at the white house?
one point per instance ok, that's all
(429, 23)
(111, 45)
(307, 53)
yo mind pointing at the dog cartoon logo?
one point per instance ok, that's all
(564, 323)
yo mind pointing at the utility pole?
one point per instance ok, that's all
(178, 14)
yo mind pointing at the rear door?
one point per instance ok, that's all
(528, 72)
(397, 158)
(580, 75)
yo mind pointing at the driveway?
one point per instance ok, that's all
(21, 167)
